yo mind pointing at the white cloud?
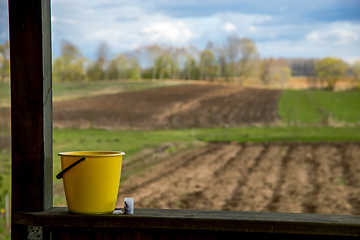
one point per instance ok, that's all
(229, 27)
(243, 21)
(313, 36)
(176, 32)
(333, 36)
(126, 24)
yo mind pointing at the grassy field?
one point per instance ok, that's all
(270, 134)
(308, 107)
(341, 106)
(131, 142)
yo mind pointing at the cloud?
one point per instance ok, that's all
(229, 27)
(336, 36)
(126, 24)
(176, 32)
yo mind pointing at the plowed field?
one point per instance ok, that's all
(171, 107)
(276, 177)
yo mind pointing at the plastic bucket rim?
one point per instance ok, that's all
(91, 154)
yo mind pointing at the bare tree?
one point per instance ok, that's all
(151, 54)
(69, 51)
(96, 71)
(175, 69)
(274, 72)
(265, 68)
(221, 61)
(241, 57)
(232, 55)
(283, 73)
(123, 67)
(69, 66)
(208, 69)
(249, 59)
(102, 54)
(191, 71)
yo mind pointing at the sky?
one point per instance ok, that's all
(280, 28)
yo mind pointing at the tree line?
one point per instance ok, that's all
(236, 60)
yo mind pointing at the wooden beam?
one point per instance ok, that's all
(31, 106)
(194, 220)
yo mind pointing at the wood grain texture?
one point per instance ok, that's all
(194, 220)
(31, 109)
(87, 234)
(31, 101)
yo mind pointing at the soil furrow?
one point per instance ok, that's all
(258, 191)
(311, 199)
(351, 161)
(178, 181)
(171, 107)
(214, 195)
(274, 202)
(295, 183)
(330, 179)
(269, 177)
(165, 169)
(193, 183)
(249, 158)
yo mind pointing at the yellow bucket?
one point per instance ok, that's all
(91, 180)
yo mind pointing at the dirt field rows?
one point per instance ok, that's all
(171, 107)
(276, 177)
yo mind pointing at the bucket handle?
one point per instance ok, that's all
(60, 174)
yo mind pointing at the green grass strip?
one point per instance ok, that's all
(295, 107)
(309, 107)
(342, 106)
(270, 134)
(132, 142)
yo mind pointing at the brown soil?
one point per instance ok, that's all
(276, 177)
(171, 107)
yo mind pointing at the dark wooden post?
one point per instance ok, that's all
(31, 108)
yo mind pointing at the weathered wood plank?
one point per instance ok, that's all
(31, 101)
(223, 221)
(104, 234)
(31, 107)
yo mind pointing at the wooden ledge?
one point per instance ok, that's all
(229, 221)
